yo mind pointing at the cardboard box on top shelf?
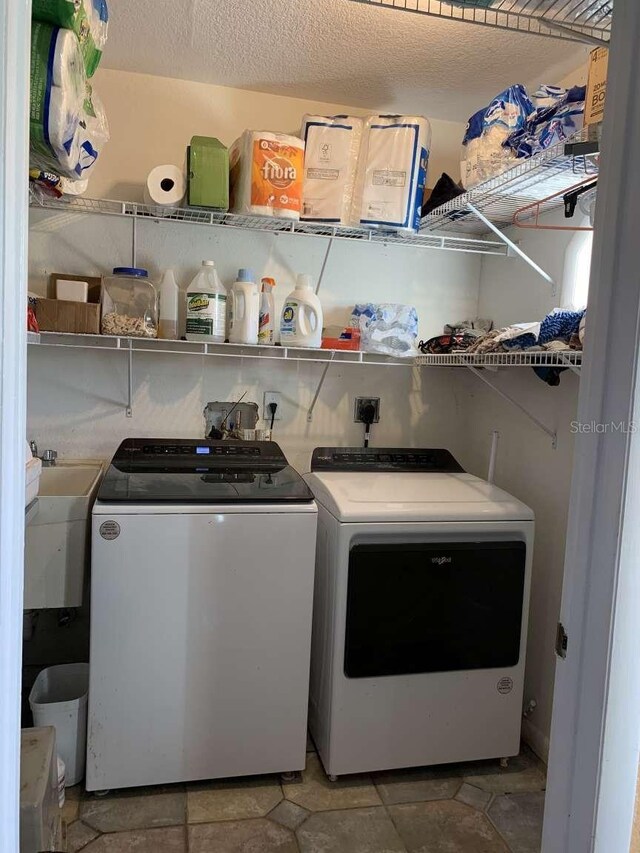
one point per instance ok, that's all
(80, 318)
(94, 282)
(596, 91)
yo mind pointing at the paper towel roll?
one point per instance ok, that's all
(165, 186)
(63, 121)
(68, 67)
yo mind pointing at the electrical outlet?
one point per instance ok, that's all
(272, 397)
(361, 402)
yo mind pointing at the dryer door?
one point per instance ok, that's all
(433, 607)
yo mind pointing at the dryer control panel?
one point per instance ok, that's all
(396, 459)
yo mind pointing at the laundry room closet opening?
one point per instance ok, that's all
(452, 338)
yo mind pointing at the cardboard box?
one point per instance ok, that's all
(57, 315)
(596, 86)
(94, 282)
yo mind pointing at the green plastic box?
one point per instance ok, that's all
(208, 171)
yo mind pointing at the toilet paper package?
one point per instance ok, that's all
(88, 19)
(165, 186)
(68, 126)
(392, 172)
(484, 150)
(332, 146)
(266, 174)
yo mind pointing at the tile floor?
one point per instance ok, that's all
(467, 808)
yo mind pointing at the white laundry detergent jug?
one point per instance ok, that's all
(244, 309)
(301, 322)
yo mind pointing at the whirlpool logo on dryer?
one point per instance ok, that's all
(441, 561)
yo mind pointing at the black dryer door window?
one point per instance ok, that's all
(435, 607)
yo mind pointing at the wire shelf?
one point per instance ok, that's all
(272, 225)
(569, 20)
(108, 343)
(530, 358)
(531, 180)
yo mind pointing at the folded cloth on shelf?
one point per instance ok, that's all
(474, 327)
(561, 325)
(450, 343)
(519, 335)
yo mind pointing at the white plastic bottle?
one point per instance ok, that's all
(206, 306)
(168, 327)
(244, 309)
(301, 322)
(266, 318)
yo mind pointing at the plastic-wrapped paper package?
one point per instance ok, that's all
(392, 172)
(547, 96)
(484, 152)
(88, 19)
(68, 126)
(547, 127)
(331, 149)
(387, 328)
(266, 174)
(58, 91)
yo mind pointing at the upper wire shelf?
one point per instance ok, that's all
(272, 225)
(534, 179)
(569, 20)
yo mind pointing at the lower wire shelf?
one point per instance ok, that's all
(108, 343)
(522, 358)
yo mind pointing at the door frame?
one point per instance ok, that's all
(593, 757)
(595, 730)
(15, 27)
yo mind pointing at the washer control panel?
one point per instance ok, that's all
(409, 459)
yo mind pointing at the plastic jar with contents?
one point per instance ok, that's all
(129, 304)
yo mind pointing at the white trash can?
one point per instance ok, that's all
(59, 698)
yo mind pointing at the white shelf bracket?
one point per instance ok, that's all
(574, 34)
(512, 246)
(493, 458)
(324, 264)
(318, 389)
(550, 432)
(134, 240)
(574, 368)
(129, 408)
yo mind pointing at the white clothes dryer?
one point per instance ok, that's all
(420, 611)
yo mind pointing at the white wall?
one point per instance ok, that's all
(76, 397)
(152, 120)
(528, 467)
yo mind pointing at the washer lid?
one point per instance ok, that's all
(382, 496)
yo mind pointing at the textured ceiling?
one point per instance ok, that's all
(332, 50)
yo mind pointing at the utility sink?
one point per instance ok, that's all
(57, 540)
(68, 480)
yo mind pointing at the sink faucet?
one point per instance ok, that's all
(49, 458)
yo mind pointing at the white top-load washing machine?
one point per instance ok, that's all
(420, 611)
(201, 603)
